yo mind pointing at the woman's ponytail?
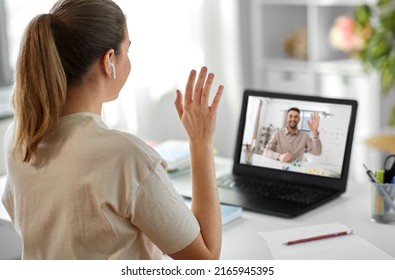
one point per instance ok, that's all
(40, 87)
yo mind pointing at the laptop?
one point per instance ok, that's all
(262, 183)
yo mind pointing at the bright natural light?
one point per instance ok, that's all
(168, 39)
(166, 44)
(165, 35)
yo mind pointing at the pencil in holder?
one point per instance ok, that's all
(383, 203)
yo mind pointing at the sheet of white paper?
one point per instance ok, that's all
(347, 247)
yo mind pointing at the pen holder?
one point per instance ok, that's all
(383, 203)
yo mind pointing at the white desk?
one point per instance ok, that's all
(241, 241)
(3, 213)
(10, 242)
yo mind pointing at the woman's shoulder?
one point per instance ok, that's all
(91, 132)
(132, 141)
(129, 144)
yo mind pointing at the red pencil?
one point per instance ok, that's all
(319, 237)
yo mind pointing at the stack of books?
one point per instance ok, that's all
(176, 154)
(229, 213)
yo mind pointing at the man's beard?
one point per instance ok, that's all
(292, 125)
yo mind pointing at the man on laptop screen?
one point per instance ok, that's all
(283, 134)
(290, 143)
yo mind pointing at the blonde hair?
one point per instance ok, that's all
(40, 88)
(56, 52)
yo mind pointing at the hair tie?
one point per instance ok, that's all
(52, 18)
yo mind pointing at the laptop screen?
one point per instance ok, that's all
(296, 134)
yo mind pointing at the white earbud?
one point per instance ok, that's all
(114, 75)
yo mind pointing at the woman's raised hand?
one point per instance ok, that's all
(196, 114)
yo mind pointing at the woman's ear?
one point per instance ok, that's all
(107, 64)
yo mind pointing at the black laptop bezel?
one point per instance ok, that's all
(336, 184)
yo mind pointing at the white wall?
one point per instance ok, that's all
(167, 42)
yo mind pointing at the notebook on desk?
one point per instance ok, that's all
(288, 189)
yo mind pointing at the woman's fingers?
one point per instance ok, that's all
(178, 104)
(190, 87)
(217, 99)
(199, 93)
(196, 115)
(200, 84)
(206, 90)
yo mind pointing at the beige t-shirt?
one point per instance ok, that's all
(95, 193)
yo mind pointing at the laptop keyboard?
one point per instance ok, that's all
(294, 193)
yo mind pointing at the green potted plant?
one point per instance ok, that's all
(377, 23)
